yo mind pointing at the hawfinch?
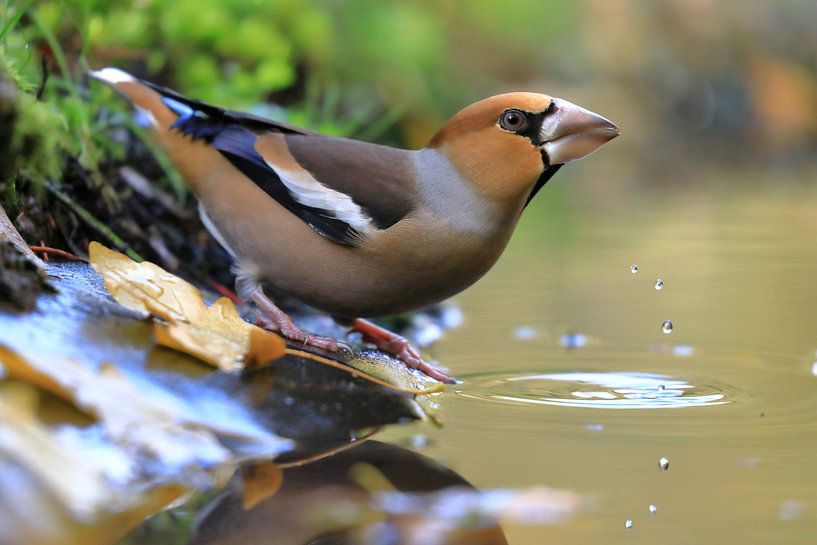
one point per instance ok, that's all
(358, 229)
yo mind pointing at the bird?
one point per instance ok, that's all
(356, 229)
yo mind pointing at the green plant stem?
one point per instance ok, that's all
(94, 222)
(9, 23)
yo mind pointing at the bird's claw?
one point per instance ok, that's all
(400, 347)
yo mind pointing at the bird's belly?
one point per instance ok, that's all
(400, 269)
(358, 284)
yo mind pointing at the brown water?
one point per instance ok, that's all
(737, 414)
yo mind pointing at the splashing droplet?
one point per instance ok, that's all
(659, 284)
(633, 268)
(663, 463)
(628, 524)
(666, 327)
(661, 387)
(653, 509)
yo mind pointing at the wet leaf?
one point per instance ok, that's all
(142, 419)
(259, 482)
(215, 334)
(72, 496)
(90, 484)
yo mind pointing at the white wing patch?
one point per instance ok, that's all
(310, 192)
(213, 230)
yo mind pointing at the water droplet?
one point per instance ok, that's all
(418, 441)
(683, 351)
(661, 387)
(524, 332)
(573, 340)
(791, 510)
(659, 284)
(753, 462)
(633, 268)
(666, 327)
(653, 509)
(628, 524)
(663, 463)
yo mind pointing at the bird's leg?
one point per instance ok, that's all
(281, 322)
(399, 346)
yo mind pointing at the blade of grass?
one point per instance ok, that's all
(83, 213)
(9, 23)
(56, 49)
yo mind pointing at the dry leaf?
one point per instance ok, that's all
(215, 334)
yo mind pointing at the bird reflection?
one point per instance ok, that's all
(331, 501)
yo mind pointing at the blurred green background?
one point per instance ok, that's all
(729, 82)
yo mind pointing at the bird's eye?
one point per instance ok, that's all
(513, 120)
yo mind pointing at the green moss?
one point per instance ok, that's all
(33, 147)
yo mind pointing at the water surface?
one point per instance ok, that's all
(570, 381)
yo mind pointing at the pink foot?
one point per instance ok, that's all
(398, 346)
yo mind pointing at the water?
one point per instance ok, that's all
(738, 415)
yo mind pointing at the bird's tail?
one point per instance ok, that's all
(155, 110)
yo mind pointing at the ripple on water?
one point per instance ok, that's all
(596, 390)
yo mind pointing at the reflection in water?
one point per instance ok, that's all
(621, 390)
(349, 498)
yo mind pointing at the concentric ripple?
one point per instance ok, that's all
(598, 390)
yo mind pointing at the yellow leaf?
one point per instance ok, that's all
(215, 334)
(259, 482)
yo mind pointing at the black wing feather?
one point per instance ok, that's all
(220, 114)
(234, 135)
(238, 146)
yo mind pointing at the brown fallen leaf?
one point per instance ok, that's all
(215, 334)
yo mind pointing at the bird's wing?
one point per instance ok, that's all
(342, 188)
(214, 113)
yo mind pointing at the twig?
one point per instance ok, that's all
(45, 256)
(56, 251)
(329, 452)
(224, 291)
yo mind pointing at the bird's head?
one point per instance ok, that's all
(509, 145)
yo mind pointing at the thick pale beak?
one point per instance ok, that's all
(570, 132)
